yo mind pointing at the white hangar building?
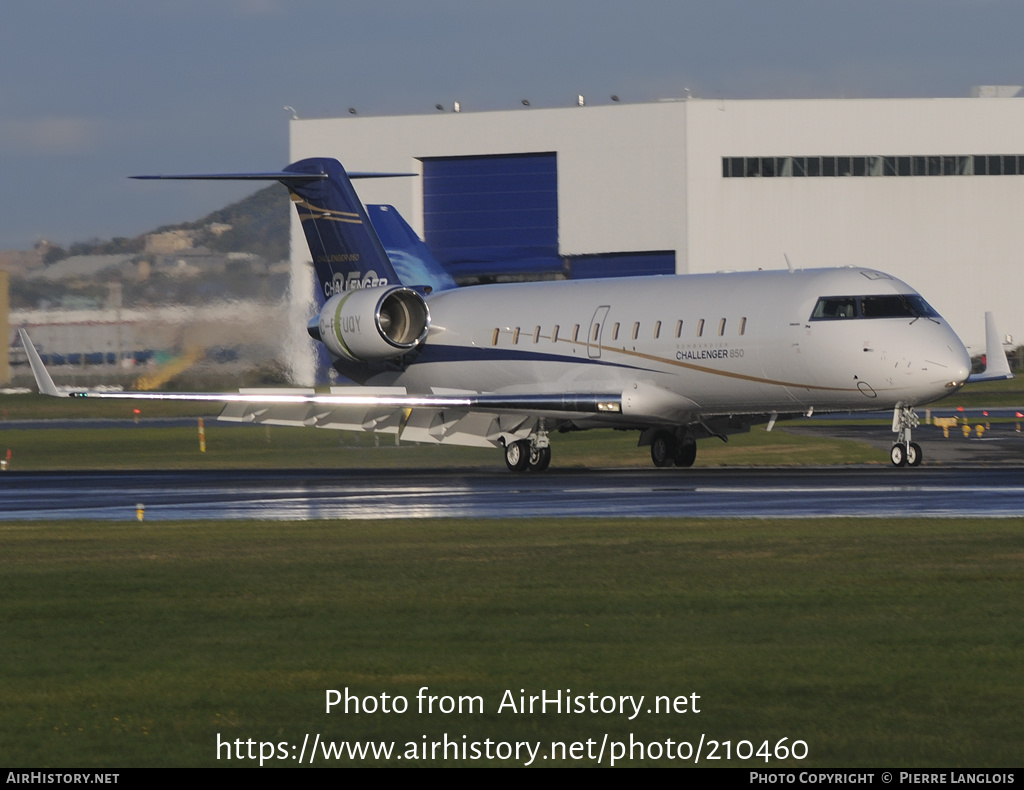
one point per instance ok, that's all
(929, 190)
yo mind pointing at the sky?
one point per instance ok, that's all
(94, 92)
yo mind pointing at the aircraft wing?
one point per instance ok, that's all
(442, 416)
(997, 367)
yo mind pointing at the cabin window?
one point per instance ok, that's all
(554, 334)
(536, 334)
(575, 333)
(700, 328)
(596, 333)
(494, 337)
(743, 325)
(636, 330)
(679, 329)
(721, 327)
(657, 329)
(515, 336)
(615, 331)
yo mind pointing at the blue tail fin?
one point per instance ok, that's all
(347, 254)
(410, 257)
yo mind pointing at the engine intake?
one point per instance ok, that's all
(372, 323)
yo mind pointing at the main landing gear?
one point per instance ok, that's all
(905, 452)
(669, 450)
(533, 454)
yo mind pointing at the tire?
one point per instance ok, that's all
(898, 455)
(686, 454)
(914, 454)
(517, 455)
(540, 459)
(663, 449)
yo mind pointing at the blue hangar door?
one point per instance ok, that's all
(487, 217)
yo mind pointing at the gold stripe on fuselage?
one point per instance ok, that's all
(715, 372)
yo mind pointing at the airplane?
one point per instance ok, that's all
(674, 357)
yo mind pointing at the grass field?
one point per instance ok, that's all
(877, 642)
(277, 447)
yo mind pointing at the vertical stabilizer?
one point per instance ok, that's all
(347, 254)
(408, 253)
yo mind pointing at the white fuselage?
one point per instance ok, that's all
(689, 346)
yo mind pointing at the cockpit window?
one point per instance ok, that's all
(831, 308)
(896, 306)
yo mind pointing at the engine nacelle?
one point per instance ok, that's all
(373, 323)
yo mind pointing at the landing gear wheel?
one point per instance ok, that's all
(540, 459)
(686, 454)
(914, 454)
(898, 455)
(517, 455)
(663, 449)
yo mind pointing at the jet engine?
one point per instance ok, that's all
(372, 323)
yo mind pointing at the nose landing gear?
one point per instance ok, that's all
(905, 452)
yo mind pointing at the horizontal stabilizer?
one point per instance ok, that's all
(284, 176)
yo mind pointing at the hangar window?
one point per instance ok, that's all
(872, 166)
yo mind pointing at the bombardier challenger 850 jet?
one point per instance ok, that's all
(674, 357)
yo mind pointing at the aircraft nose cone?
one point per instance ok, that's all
(958, 365)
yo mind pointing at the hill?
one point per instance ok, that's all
(257, 224)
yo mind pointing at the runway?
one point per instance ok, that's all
(946, 491)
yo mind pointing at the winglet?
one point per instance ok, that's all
(42, 375)
(996, 367)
